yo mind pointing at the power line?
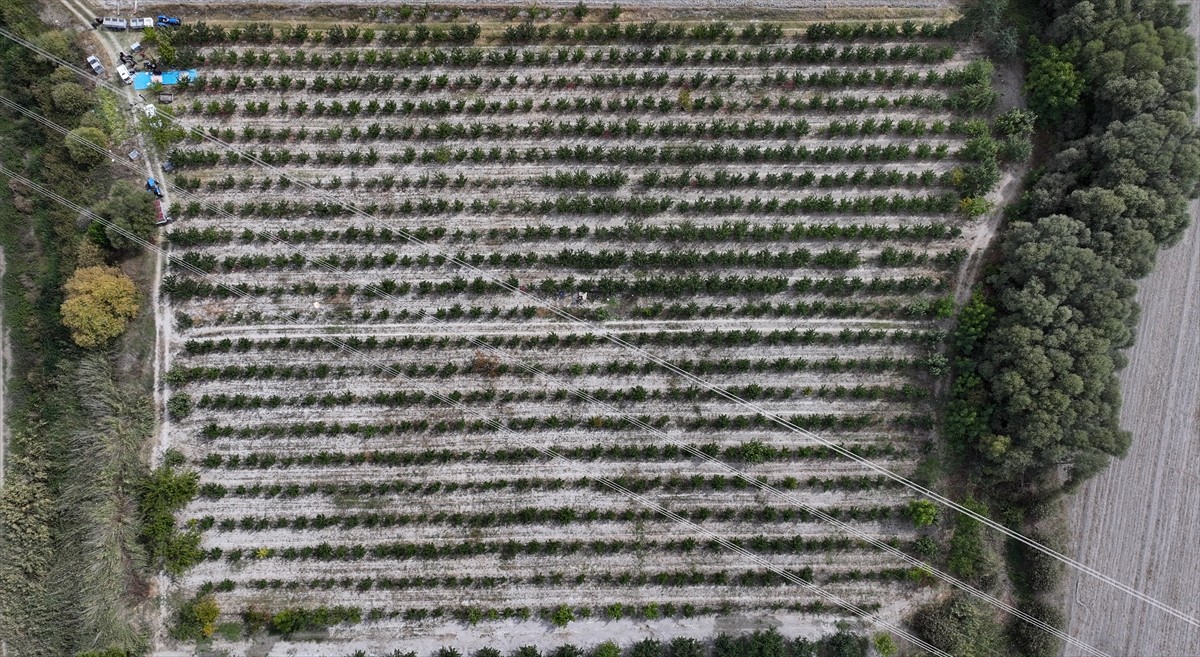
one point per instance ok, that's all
(620, 342)
(633, 419)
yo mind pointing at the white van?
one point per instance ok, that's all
(124, 73)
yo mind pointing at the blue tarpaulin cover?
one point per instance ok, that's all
(143, 80)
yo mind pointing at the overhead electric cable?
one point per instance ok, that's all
(554, 455)
(617, 340)
(636, 421)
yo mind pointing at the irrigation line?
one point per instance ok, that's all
(555, 456)
(663, 435)
(617, 340)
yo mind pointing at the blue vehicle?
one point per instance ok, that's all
(152, 185)
(167, 21)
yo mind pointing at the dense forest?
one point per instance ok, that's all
(1033, 411)
(1037, 395)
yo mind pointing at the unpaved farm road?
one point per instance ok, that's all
(149, 8)
(1139, 521)
(153, 168)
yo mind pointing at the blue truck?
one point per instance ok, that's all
(167, 21)
(152, 185)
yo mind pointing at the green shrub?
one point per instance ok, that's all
(969, 557)
(926, 547)
(1032, 641)
(299, 619)
(1015, 148)
(885, 645)
(1033, 571)
(607, 649)
(959, 626)
(179, 406)
(922, 512)
(173, 458)
(683, 646)
(843, 644)
(647, 648)
(196, 618)
(562, 615)
(160, 494)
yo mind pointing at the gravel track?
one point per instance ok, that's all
(690, 5)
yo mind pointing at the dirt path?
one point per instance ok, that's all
(111, 45)
(692, 5)
(1138, 521)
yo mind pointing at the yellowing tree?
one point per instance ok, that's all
(206, 612)
(100, 302)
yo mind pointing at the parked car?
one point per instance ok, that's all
(124, 73)
(97, 67)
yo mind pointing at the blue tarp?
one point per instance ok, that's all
(143, 80)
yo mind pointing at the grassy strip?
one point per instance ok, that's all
(98, 504)
(71, 562)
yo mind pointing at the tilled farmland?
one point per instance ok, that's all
(378, 335)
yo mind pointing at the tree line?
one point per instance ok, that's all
(1035, 404)
(1044, 344)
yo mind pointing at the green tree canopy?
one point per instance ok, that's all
(922, 512)
(958, 626)
(80, 144)
(71, 98)
(131, 208)
(1053, 86)
(1065, 312)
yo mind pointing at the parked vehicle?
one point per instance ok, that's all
(160, 216)
(114, 23)
(152, 185)
(168, 21)
(97, 67)
(141, 23)
(124, 73)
